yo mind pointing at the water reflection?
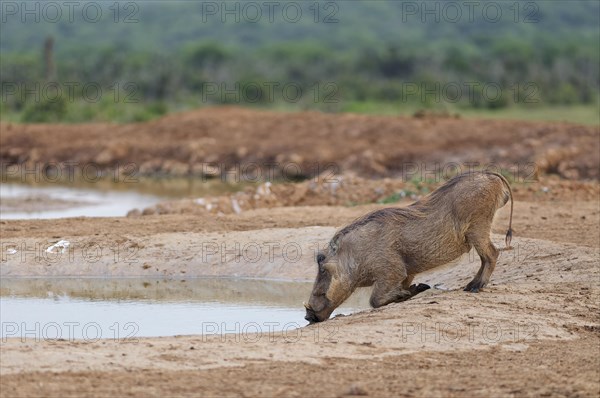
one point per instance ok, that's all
(154, 307)
(101, 198)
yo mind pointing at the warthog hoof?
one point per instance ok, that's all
(416, 289)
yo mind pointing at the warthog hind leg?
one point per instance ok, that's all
(488, 254)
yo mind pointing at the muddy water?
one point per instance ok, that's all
(102, 198)
(26, 202)
(89, 309)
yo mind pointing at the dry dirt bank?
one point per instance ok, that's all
(279, 253)
(351, 190)
(560, 221)
(184, 143)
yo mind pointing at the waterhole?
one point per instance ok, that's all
(101, 198)
(124, 309)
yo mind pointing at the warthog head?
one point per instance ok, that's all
(332, 285)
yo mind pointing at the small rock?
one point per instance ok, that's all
(148, 211)
(134, 213)
(356, 390)
(235, 206)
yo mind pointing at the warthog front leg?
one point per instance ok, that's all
(414, 289)
(384, 295)
(390, 291)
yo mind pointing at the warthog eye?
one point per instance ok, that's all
(320, 258)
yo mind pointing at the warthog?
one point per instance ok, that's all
(387, 248)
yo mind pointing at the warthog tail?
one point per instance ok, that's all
(509, 233)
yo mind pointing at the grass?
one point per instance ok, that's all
(80, 112)
(581, 114)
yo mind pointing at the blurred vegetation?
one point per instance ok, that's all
(374, 57)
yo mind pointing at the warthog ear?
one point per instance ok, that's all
(334, 245)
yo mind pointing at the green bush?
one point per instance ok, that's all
(45, 111)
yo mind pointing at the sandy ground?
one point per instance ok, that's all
(534, 331)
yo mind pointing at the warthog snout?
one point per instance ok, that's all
(313, 317)
(310, 314)
(318, 309)
(329, 290)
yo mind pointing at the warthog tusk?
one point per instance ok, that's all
(306, 306)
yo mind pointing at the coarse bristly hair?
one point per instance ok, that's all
(387, 247)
